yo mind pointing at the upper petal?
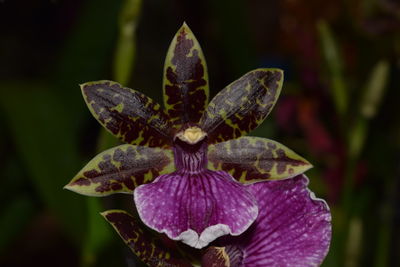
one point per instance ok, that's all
(147, 248)
(121, 169)
(252, 159)
(185, 79)
(196, 208)
(243, 105)
(131, 116)
(293, 227)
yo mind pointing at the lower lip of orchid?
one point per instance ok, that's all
(196, 208)
(193, 204)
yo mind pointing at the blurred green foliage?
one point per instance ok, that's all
(338, 109)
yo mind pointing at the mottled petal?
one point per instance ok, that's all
(243, 105)
(293, 227)
(147, 248)
(196, 208)
(252, 159)
(131, 116)
(185, 79)
(121, 169)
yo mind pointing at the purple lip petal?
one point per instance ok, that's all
(293, 228)
(196, 208)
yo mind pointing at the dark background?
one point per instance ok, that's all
(339, 108)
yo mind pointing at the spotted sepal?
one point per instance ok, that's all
(185, 83)
(253, 159)
(121, 169)
(131, 116)
(243, 105)
(147, 248)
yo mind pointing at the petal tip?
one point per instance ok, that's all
(66, 187)
(70, 187)
(184, 27)
(86, 191)
(108, 212)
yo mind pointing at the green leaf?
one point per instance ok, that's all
(121, 169)
(252, 159)
(374, 89)
(42, 130)
(14, 217)
(243, 105)
(148, 249)
(126, 48)
(98, 234)
(185, 82)
(373, 93)
(333, 60)
(131, 116)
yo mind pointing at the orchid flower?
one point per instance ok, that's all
(293, 228)
(188, 164)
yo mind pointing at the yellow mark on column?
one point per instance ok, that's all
(192, 135)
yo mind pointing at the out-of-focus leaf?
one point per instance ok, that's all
(373, 92)
(357, 136)
(354, 242)
(87, 50)
(41, 127)
(233, 31)
(266, 129)
(374, 89)
(126, 48)
(14, 217)
(333, 61)
(98, 234)
(106, 140)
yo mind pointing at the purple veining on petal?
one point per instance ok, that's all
(235, 255)
(190, 158)
(196, 207)
(293, 228)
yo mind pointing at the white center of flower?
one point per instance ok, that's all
(191, 135)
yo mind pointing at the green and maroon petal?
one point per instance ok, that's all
(131, 116)
(185, 81)
(147, 248)
(253, 159)
(243, 105)
(121, 169)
